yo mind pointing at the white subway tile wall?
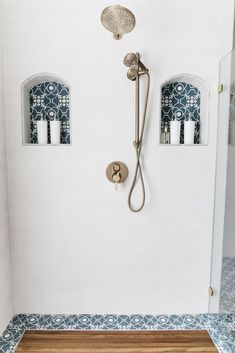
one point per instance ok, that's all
(75, 245)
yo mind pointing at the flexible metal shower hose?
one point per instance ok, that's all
(138, 148)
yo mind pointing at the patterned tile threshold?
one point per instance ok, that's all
(221, 327)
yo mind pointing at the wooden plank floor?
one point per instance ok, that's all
(116, 342)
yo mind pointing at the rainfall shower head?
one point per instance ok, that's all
(118, 20)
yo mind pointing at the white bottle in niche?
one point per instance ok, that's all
(175, 126)
(189, 129)
(42, 131)
(55, 131)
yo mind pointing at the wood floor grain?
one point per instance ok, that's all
(116, 342)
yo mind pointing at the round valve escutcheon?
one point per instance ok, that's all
(117, 172)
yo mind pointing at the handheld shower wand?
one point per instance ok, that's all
(136, 69)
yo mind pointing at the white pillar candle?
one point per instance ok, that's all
(175, 126)
(42, 132)
(189, 128)
(55, 132)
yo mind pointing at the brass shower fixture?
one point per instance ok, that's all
(136, 69)
(118, 20)
(117, 172)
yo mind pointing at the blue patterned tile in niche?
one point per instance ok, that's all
(181, 100)
(50, 98)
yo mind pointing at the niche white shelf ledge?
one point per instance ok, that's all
(46, 96)
(182, 96)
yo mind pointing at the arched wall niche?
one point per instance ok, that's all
(47, 94)
(182, 96)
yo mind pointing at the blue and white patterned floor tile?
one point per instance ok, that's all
(221, 327)
(227, 298)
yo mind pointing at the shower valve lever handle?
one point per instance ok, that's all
(116, 177)
(116, 167)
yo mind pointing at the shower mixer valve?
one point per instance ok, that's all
(117, 173)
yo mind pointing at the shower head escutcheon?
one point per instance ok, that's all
(118, 19)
